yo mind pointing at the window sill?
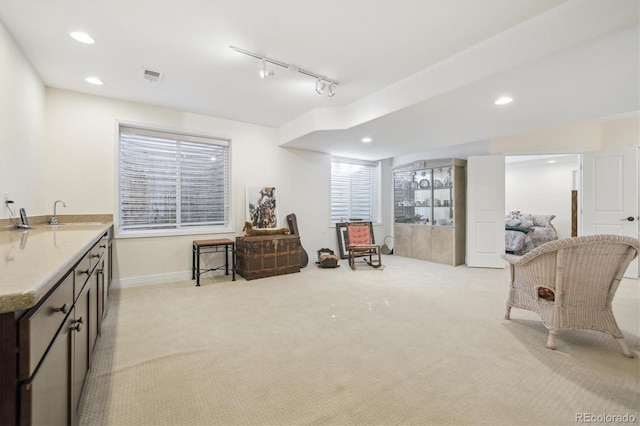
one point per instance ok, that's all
(151, 233)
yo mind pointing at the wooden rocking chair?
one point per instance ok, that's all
(361, 244)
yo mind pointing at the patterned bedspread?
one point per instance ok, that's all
(519, 243)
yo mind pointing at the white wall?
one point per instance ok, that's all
(613, 132)
(621, 131)
(22, 98)
(81, 139)
(542, 188)
(457, 151)
(574, 138)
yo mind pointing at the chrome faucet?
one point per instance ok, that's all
(54, 219)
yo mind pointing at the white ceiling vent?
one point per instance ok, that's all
(152, 75)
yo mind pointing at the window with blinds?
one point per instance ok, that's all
(354, 190)
(172, 181)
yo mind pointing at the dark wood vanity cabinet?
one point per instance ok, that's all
(44, 380)
(54, 341)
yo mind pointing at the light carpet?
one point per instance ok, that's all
(417, 343)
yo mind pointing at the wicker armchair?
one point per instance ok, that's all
(570, 283)
(361, 244)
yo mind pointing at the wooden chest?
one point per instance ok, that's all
(267, 255)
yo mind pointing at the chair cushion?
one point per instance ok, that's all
(359, 235)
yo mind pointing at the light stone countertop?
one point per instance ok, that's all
(32, 261)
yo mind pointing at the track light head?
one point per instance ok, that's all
(332, 90)
(320, 86)
(264, 72)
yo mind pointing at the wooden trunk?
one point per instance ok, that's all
(267, 255)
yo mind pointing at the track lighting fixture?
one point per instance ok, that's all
(322, 82)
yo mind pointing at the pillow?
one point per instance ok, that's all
(543, 220)
(527, 223)
(513, 222)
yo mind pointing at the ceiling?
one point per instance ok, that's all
(414, 75)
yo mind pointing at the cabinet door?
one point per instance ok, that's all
(442, 244)
(443, 196)
(402, 240)
(45, 398)
(423, 197)
(80, 346)
(404, 187)
(421, 242)
(38, 327)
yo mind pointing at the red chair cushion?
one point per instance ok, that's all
(359, 235)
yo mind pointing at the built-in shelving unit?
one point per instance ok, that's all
(429, 210)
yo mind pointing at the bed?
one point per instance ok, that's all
(524, 232)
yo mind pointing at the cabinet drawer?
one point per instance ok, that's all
(38, 328)
(82, 273)
(101, 247)
(86, 266)
(96, 253)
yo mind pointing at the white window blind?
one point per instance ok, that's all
(172, 181)
(354, 190)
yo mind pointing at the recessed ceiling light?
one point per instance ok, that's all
(503, 100)
(551, 161)
(367, 140)
(94, 80)
(82, 37)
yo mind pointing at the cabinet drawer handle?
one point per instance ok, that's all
(103, 246)
(77, 326)
(95, 255)
(84, 272)
(64, 309)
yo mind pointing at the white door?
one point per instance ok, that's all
(485, 211)
(610, 195)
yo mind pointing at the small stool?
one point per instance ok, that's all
(212, 246)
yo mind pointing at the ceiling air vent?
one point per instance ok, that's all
(151, 75)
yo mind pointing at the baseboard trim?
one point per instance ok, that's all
(151, 279)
